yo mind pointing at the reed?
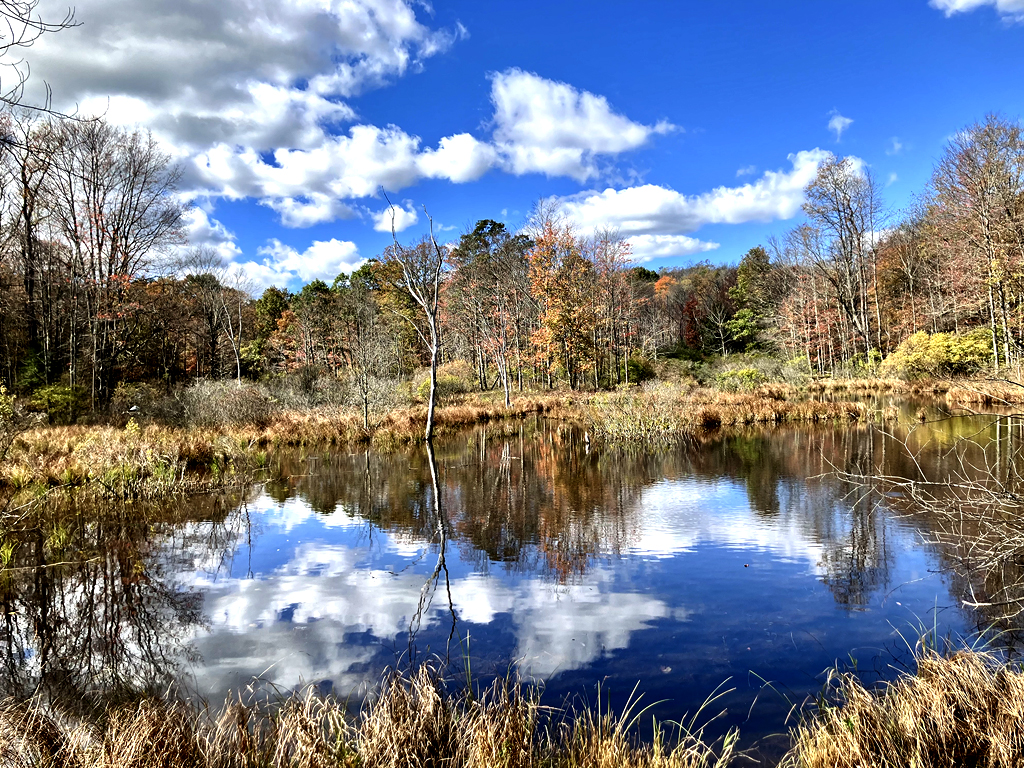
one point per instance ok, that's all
(880, 386)
(985, 393)
(412, 721)
(665, 414)
(963, 709)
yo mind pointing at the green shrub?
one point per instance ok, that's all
(640, 369)
(940, 354)
(747, 371)
(61, 404)
(740, 380)
(453, 379)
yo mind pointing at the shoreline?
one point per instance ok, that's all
(156, 458)
(956, 707)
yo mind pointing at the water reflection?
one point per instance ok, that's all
(731, 554)
(91, 604)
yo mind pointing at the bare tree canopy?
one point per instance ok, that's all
(20, 27)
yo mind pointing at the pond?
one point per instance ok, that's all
(735, 562)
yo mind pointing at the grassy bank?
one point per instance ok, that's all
(957, 393)
(879, 386)
(960, 709)
(229, 440)
(665, 414)
(411, 722)
(154, 459)
(964, 709)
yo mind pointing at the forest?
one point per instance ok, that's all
(103, 296)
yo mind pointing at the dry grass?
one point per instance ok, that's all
(879, 386)
(156, 460)
(662, 413)
(131, 462)
(985, 393)
(412, 722)
(964, 709)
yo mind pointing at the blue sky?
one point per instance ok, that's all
(689, 127)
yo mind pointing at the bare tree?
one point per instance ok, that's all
(372, 352)
(422, 266)
(112, 197)
(844, 206)
(978, 189)
(20, 27)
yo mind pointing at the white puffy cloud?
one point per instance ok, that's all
(656, 211)
(647, 247)
(260, 73)
(552, 128)
(310, 209)
(838, 124)
(540, 125)
(1008, 9)
(203, 230)
(281, 264)
(459, 158)
(342, 167)
(404, 218)
(251, 95)
(254, 97)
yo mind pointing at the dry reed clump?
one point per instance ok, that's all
(879, 386)
(663, 413)
(985, 393)
(150, 735)
(966, 709)
(156, 459)
(601, 738)
(412, 722)
(31, 737)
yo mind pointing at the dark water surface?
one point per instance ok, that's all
(735, 557)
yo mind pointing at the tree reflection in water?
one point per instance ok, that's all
(97, 601)
(537, 500)
(91, 606)
(430, 586)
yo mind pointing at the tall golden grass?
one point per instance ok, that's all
(879, 386)
(663, 413)
(985, 393)
(157, 459)
(411, 722)
(957, 709)
(961, 709)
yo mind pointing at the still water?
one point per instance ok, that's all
(735, 560)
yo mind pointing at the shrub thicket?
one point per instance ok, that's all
(61, 404)
(939, 354)
(223, 403)
(453, 379)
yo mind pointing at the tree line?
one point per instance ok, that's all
(100, 288)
